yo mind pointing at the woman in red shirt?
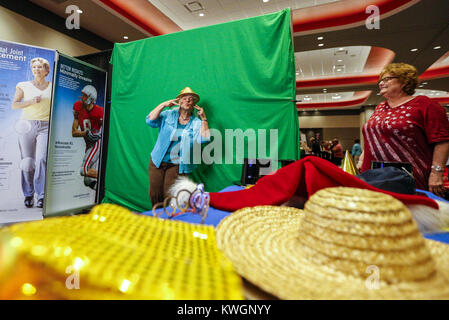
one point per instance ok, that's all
(405, 128)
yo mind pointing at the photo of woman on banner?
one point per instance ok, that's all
(179, 129)
(34, 98)
(88, 117)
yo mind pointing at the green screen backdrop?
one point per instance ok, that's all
(244, 72)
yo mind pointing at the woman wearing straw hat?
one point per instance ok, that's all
(406, 128)
(179, 129)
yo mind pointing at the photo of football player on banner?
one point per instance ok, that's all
(75, 137)
(26, 82)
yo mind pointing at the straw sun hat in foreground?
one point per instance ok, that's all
(347, 243)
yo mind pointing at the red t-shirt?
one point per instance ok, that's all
(337, 150)
(91, 120)
(406, 133)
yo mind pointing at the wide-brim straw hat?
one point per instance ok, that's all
(188, 90)
(347, 243)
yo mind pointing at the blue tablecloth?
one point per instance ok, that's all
(214, 216)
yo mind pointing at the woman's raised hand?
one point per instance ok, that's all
(200, 112)
(36, 99)
(171, 103)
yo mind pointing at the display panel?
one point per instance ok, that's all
(75, 137)
(26, 83)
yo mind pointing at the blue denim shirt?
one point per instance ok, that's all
(167, 123)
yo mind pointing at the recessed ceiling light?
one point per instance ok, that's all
(424, 82)
(421, 86)
(201, 14)
(437, 47)
(339, 60)
(320, 38)
(414, 50)
(79, 11)
(125, 37)
(266, 0)
(320, 44)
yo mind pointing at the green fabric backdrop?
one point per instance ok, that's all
(244, 72)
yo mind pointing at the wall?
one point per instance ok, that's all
(344, 127)
(16, 28)
(346, 136)
(343, 121)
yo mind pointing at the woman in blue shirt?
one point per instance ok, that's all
(179, 130)
(356, 151)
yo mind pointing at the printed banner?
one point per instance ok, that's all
(75, 137)
(26, 82)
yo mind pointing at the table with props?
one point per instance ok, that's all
(301, 178)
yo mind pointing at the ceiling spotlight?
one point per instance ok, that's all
(339, 60)
(424, 82)
(414, 50)
(437, 47)
(79, 11)
(266, 0)
(421, 86)
(125, 37)
(320, 38)
(320, 44)
(201, 14)
(324, 90)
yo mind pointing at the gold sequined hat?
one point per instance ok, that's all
(112, 253)
(347, 243)
(188, 90)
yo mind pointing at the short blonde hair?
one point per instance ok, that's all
(406, 73)
(42, 61)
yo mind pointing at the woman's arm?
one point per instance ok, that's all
(440, 155)
(360, 163)
(205, 133)
(17, 102)
(157, 111)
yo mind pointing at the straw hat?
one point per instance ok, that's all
(346, 244)
(188, 90)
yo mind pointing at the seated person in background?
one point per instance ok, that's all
(405, 128)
